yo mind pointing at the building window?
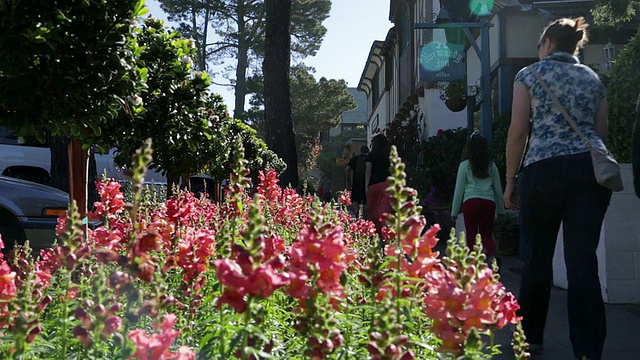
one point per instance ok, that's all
(404, 33)
(375, 90)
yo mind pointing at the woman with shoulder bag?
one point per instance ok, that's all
(558, 184)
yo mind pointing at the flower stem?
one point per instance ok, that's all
(245, 332)
(65, 320)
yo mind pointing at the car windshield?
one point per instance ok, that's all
(8, 137)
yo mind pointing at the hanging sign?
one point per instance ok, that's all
(442, 62)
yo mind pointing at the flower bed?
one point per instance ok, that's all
(276, 275)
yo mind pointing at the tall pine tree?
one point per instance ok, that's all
(239, 31)
(277, 91)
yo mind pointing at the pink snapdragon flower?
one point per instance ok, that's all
(156, 346)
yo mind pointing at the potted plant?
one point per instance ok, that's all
(454, 94)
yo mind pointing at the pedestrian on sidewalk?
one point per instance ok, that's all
(478, 193)
(375, 179)
(355, 173)
(558, 184)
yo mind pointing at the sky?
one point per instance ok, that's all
(352, 26)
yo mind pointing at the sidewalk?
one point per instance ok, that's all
(623, 324)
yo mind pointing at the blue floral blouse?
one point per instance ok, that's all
(579, 90)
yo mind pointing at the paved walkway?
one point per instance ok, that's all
(623, 325)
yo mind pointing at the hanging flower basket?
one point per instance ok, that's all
(454, 94)
(456, 105)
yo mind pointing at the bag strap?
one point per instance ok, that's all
(564, 112)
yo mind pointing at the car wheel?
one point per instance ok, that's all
(11, 230)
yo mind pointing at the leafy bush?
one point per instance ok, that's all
(622, 95)
(405, 136)
(442, 155)
(273, 276)
(498, 144)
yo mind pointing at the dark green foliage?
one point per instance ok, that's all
(240, 29)
(498, 144)
(316, 107)
(442, 155)
(622, 94)
(190, 128)
(404, 135)
(613, 12)
(181, 117)
(256, 153)
(66, 66)
(506, 232)
(334, 147)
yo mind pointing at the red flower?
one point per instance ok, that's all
(111, 325)
(268, 189)
(8, 287)
(111, 200)
(230, 274)
(345, 198)
(234, 299)
(147, 242)
(263, 282)
(156, 346)
(321, 252)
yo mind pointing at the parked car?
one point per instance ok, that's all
(30, 211)
(27, 158)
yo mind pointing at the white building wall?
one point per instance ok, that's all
(379, 117)
(522, 34)
(438, 116)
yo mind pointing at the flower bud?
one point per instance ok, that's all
(83, 335)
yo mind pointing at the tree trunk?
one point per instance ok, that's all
(241, 80)
(92, 194)
(59, 162)
(277, 91)
(78, 175)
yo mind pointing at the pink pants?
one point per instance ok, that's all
(378, 203)
(479, 215)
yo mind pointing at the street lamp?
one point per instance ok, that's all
(443, 16)
(484, 6)
(609, 54)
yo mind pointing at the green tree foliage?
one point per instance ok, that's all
(334, 147)
(189, 127)
(406, 138)
(65, 70)
(442, 155)
(317, 107)
(622, 94)
(179, 114)
(194, 18)
(65, 66)
(612, 12)
(240, 29)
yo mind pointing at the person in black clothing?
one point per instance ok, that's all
(356, 169)
(375, 180)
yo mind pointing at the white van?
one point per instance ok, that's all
(26, 158)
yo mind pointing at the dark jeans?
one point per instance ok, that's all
(563, 190)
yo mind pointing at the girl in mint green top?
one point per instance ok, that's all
(468, 186)
(478, 193)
